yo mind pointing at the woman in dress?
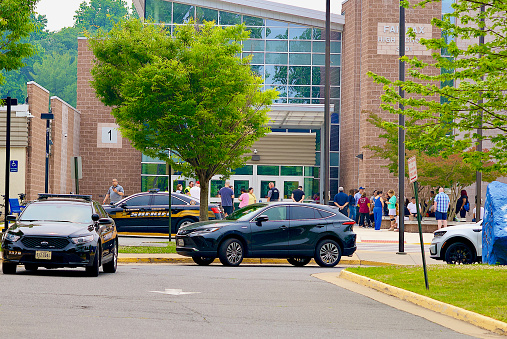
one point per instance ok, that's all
(378, 203)
(391, 204)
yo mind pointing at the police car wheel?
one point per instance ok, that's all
(185, 222)
(8, 268)
(203, 261)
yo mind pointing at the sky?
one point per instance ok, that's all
(60, 13)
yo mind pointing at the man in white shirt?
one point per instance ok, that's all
(195, 191)
(412, 208)
(482, 214)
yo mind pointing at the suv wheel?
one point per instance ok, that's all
(93, 271)
(459, 253)
(328, 253)
(8, 268)
(203, 261)
(231, 252)
(299, 261)
(110, 267)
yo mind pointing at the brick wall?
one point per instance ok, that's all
(101, 164)
(363, 96)
(38, 100)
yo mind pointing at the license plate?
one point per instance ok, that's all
(45, 255)
(180, 243)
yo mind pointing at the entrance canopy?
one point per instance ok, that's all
(297, 116)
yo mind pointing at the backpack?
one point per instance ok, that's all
(466, 207)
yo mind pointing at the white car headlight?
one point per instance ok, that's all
(206, 230)
(11, 237)
(82, 240)
(439, 233)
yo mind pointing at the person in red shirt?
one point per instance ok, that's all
(364, 209)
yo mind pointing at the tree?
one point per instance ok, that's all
(101, 14)
(190, 93)
(15, 25)
(469, 90)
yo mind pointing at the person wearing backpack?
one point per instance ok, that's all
(462, 205)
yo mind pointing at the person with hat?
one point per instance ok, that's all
(342, 201)
(195, 191)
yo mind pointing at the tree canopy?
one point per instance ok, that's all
(190, 93)
(469, 90)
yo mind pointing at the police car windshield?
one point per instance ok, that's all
(59, 212)
(246, 213)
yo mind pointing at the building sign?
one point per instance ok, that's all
(13, 166)
(388, 39)
(108, 136)
(412, 169)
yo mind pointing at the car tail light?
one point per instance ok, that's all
(349, 222)
(215, 210)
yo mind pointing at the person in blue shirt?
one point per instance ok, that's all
(342, 201)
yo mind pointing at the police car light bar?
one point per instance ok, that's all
(72, 196)
(154, 190)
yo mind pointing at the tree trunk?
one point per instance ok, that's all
(203, 204)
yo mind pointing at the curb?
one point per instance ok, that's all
(455, 312)
(188, 260)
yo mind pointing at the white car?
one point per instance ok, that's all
(460, 244)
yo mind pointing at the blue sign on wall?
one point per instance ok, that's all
(14, 166)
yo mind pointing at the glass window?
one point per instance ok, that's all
(334, 159)
(298, 91)
(323, 214)
(227, 18)
(317, 92)
(319, 59)
(336, 46)
(268, 170)
(333, 187)
(160, 169)
(264, 189)
(161, 199)
(335, 76)
(308, 171)
(299, 101)
(142, 200)
(320, 47)
(253, 45)
(149, 182)
(299, 75)
(238, 185)
(215, 186)
(276, 58)
(257, 58)
(300, 59)
(257, 32)
(276, 46)
(317, 140)
(275, 23)
(182, 13)
(310, 188)
(282, 91)
(158, 11)
(292, 170)
(335, 118)
(300, 46)
(288, 187)
(276, 75)
(277, 33)
(281, 99)
(206, 14)
(335, 92)
(302, 213)
(252, 21)
(276, 213)
(245, 170)
(177, 201)
(258, 69)
(333, 172)
(145, 158)
(335, 138)
(317, 159)
(300, 33)
(318, 75)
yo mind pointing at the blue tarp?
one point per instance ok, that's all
(494, 226)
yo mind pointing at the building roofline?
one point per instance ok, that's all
(64, 102)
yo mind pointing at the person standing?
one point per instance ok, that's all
(179, 187)
(392, 209)
(462, 205)
(298, 195)
(352, 205)
(364, 210)
(342, 201)
(372, 206)
(441, 204)
(226, 195)
(115, 193)
(252, 199)
(273, 193)
(187, 189)
(357, 196)
(475, 211)
(243, 198)
(377, 209)
(195, 191)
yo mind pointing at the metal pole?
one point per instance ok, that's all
(76, 173)
(326, 145)
(46, 178)
(401, 137)
(7, 161)
(170, 190)
(420, 234)
(478, 174)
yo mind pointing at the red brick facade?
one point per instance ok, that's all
(101, 164)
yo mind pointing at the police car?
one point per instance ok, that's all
(146, 212)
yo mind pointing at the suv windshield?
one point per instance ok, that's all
(57, 211)
(245, 213)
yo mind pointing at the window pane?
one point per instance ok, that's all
(177, 201)
(300, 46)
(318, 75)
(276, 58)
(317, 140)
(333, 187)
(335, 76)
(308, 171)
(215, 186)
(335, 118)
(300, 33)
(334, 159)
(335, 138)
(336, 47)
(320, 47)
(158, 11)
(161, 200)
(299, 75)
(276, 23)
(257, 58)
(245, 170)
(276, 213)
(302, 213)
(277, 33)
(268, 170)
(258, 69)
(276, 46)
(288, 187)
(229, 18)
(282, 92)
(300, 59)
(257, 32)
(145, 158)
(253, 45)
(319, 59)
(182, 13)
(276, 75)
(154, 169)
(299, 101)
(206, 14)
(333, 172)
(252, 21)
(319, 34)
(149, 182)
(335, 92)
(298, 92)
(292, 170)
(317, 92)
(142, 200)
(238, 185)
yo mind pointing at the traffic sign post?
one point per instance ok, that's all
(412, 173)
(9, 102)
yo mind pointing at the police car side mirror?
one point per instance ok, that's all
(95, 217)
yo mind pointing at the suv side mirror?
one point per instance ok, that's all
(95, 217)
(261, 218)
(105, 221)
(11, 218)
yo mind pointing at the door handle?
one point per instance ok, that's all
(283, 227)
(320, 226)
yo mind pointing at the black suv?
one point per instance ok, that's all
(60, 230)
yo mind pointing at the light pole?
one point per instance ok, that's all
(47, 117)
(8, 102)
(401, 136)
(327, 86)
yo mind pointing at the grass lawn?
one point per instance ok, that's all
(170, 248)
(478, 288)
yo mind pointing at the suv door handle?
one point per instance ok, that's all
(320, 226)
(283, 227)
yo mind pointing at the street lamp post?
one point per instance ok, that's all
(9, 102)
(327, 138)
(401, 136)
(47, 117)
